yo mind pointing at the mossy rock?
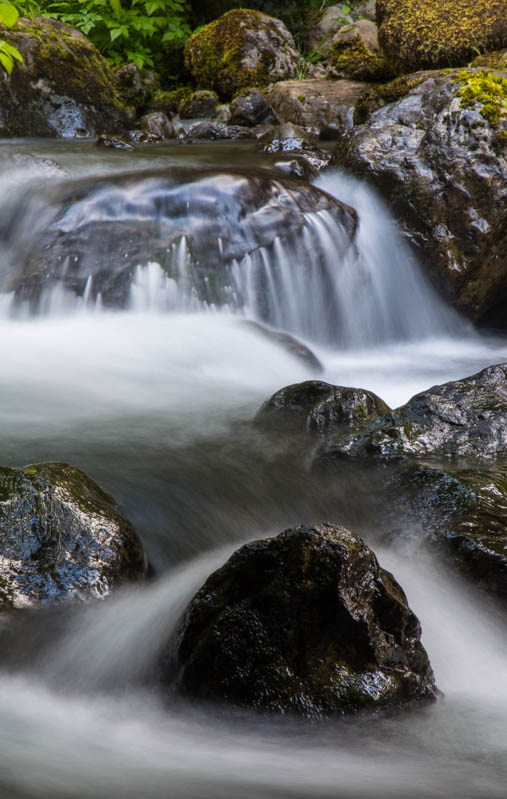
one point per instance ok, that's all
(62, 538)
(356, 61)
(169, 101)
(420, 34)
(63, 88)
(486, 90)
(306, 623)
(241, 49)
(297, 15)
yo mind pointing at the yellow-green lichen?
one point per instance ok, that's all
(214, 55)
(377, 96)
(416, 34)
(487, 90)
(356, 61)
(169, 101)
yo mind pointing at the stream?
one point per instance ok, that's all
(154, 402)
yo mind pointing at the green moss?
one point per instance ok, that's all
(169, 101)
(377, 96)
(214, 54)
(356, 61)
(487, 90)
(496, 60)
(417, 34)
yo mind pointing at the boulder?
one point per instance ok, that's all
(250, 108)
(320, 409)
(199, 105)
(156, 126)
(62, 538)
(289, 138)
(462, 511)
(419, 34)
(210, 129)
(354, 53)
(94, 232)
(296, 15)
(465, 418)
(326, 106)
(135, 87)
(436, 152)
(318, 37)
(241, 49)
(308, 623)
(63, 88)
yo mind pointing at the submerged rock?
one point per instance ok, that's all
(198, 224)
(289, 343)
(308, 623)
(62, 538)
(243, 48)
(63, 88)
(436, 152)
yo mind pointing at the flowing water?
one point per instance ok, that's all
(155, 402)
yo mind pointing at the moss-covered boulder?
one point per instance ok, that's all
(62, 538)
(63, 88)
(436, 152)
(297, 15)
(241, 49)
(307, 622)
(354, 53)
(419, 34)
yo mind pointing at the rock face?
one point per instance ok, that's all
(241, 49)
(416, 34)
(306, 622)
(323, 105)
(462, 512)
(93, 233)
(63, 88)
(320, 409)
(62, 538)
(462, 418)
(437, 154)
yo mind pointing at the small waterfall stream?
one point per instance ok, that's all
(154, 400)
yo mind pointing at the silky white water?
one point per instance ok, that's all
(156, 405)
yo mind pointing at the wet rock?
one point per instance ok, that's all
(308, 623)
(113, 143)
(242, 49)
(45, 167)
(199, 105)
(156, 126)
(250, 108)
(297, 167)
(64, 87)
(136, 87)
(320, 409)
(62, 538)
(419, 34)
(436, 153)
(462, 511)
(465, 418)
(288, 138)
(210, 129)
(289, 343)
(322, 105)
(95, 232)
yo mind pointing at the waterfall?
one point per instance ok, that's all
(148, 246)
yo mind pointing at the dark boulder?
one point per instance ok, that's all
(63, 88)
(436, 153)
(308, 623)
(136, 87)
(250, 108)
(320, 409)
(62, 538)
(199, 105)
(92, 234)
(289, 343)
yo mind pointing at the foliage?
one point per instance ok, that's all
(8, 54)
(133, 30)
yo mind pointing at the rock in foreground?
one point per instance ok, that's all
(306, 622)
(62, 538)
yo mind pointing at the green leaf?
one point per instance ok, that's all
(11, 51)
(8, 15)
(117, 9)
(6, 62)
